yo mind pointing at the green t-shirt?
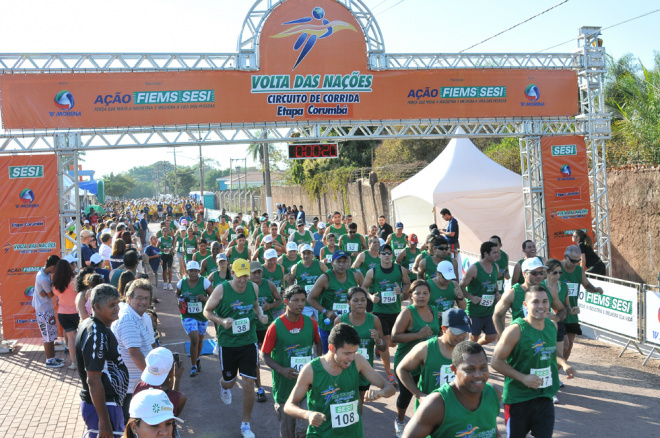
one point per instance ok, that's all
(409, 261)
(351, 246)
(465, 423)
(292, 350)
(288, 264)
(306, 277)
(277, 277)
(337, 231)
(483, 285)
(265, 296)
(306, 237)
(236, 254)
(384, 284)
(432, 267)
(418, 323)
(502, 267)
(189, 248)
(239, 307)
(210, 237)
(166, 244)
(398, 244)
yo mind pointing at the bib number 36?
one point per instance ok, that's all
(344, 414)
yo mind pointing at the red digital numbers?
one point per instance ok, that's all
(312, 150)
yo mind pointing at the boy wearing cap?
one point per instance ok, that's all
(192, 292)
(434, 356)
(288, 260)
(273, 271)
(444, 288)
(233, 305)
(162, 373)
(301, 236)
(397, 240)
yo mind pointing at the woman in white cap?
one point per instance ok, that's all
(152, 415)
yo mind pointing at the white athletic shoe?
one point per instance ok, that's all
(246, 432)
(555, 400)
(398, 427)
(225, 395)
(169, 285)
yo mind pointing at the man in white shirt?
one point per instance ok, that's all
(105, 250)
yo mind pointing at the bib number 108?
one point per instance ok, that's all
(344, 414)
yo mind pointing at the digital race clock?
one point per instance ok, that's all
(301, 151)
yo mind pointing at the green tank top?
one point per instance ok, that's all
(210, 237)
(338, 231)
(189, 248)
(502, 267)
(211, 265)
(265, 296)
(200, 258)
(292, 350)
(217, 279)
(418, 323)
(327, 256)
(367, 344)
(384, 284)
(166, 244)
(461, 422)
(483, 285)
(230, 234)
(368, 263)
(573, 282)
(235, 254)
(398, 244)
(442, 299)
(179, 244)
(409, 261)
(194, 308)
(535, 353)
(436, 370)
(290, 229)
(335, 297)
(352, 246)
(561, 295)
(288, 264)
(276, 277)
(306, 277)
(432, 267)
(517, 308)
(305, 238)
(239, 307)
(337, 398)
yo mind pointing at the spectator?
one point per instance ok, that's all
(122, 285)
(67, 314)
(589, 261)
(153, 252)
(451, 232)
(102, 371)
(85, 282)
(42, 301)
(96, 262)
(86, 237)
(105, 250)
(134, 338)
(118, 251)
(301, 214)
(147, 422)
(130, 264)
(164, 373)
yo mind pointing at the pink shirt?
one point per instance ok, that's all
(67, 299)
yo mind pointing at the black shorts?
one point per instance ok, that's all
(238, 360)
(261, 334)
(536, 416)
(364, 388)
(561, 331)
(387, 321)
(479, 324)
(69, 321)
(574, 328)
(167, 261)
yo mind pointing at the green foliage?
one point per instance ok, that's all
(400, 151)
(118, 185)
(505, 153)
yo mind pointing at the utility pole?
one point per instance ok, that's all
(269, 195)
(176, 182)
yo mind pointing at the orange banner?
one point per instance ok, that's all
(29, 233)
(566, 190)
(313, 66)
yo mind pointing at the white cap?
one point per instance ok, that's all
(70, 258)
(192, 265)
(268, 239)
(96, 258)
(446, 268)
(159, 363)
(152, 406)
(306, 247)
(321, 225)
(292, 246)
(270, 254)
(532, 264)
(85, 221)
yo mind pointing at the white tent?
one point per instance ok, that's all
(485, 198)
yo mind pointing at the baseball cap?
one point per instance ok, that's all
(456, 321)
(85, 221)
(446, 268)
(384, 247)
(70, 258)
(240, 267)
(192, 265)
(300, 222)
(255, 266)
(211, 220)
(398, 225)
(306, 247)
(220, 257)
(315, 219)
(532, 264)
(292, 246)
(268, 239)
(96, 258)
(152, 406)
(413, 238)
(270, 254)
(339, 254)
(159, 362)
(321, 225)
(184, 222)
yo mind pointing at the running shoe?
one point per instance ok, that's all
(261, 395)
(51, 363)
(398, 427)
(193, 371)
(246, 432)
(57, 359)
(225, 395)
(72, 366)
(555, 400)
(561, 384)
(377, 354)
(199, 365)
(391, 379)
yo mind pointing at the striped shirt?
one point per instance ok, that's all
(131, 332)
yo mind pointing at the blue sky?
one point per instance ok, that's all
(408, 26)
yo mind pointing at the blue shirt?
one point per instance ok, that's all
(301, 215)
(318, 244)
(155, 262)
(452, 227)
(85, 253)
(104, 273)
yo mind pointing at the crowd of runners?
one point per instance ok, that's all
(317, 302)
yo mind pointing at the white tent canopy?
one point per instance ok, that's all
(485, 198)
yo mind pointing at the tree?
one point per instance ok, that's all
(506, 153)
(117, 185)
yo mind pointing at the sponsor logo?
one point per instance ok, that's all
(27, 225)
(568, 193)
(468, 432)
(16, 172)
(532, 93)
(538, 347)
(328, 393)
(22, 322)
(309, 30)
(64, 100)
(565, 233)
(29, 291)
(31, 248)
(26, 195)
(25, 270)
(177, 96)
(570, 214)
(467, 92)
(563, 150)
(565, 170)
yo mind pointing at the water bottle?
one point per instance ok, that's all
(327, 321)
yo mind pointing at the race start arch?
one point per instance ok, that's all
(315, 71)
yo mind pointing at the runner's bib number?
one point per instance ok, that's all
(487, 300)
(573, 289)
(446, 376)
(340, 309)
(344, 414)
(352, 247)
(397, 252)
(298, 362)
(500, 285)
(411, 264)
(363, 352)
(388, 297)
(195, 307)
(308, 288)
(545, 374)
(240, 326)
(190, 251)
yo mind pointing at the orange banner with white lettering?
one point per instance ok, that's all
(29, 233)
(312, 66)
(566, 190)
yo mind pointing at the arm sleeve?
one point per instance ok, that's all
(127, 333)
(207, 283)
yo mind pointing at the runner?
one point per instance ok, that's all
(397, 240)
(479, 287)
(269, 299)
(273, 271)
(336, 227)
(301, 236)
(331, 383)
(180, 250)
(240, 251)
(208, 264)
(305, 273)
(202, 252)
(352, 243)
(527, 356)
(427, 266)
(529, 250)
(330, 293)
(223, 273)
(290, 343)
(388, 283)
(330, 240)
(234, 307)
(445, 290)
(502, 264)
(289, 227)
(192, 292)
(260, 251)
(416, 323)
(368, 328)
(368, 259)
(407, 256)
(466, 405)
(288, 260)
(210, 233)
(431, 360)
(189, 245)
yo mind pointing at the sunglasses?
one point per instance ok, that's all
(536, 273)
(442, 248)
(573, 260)
(386, 253)
(352, 232)
(556, 273)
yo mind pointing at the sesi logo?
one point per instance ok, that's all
(17, 172)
